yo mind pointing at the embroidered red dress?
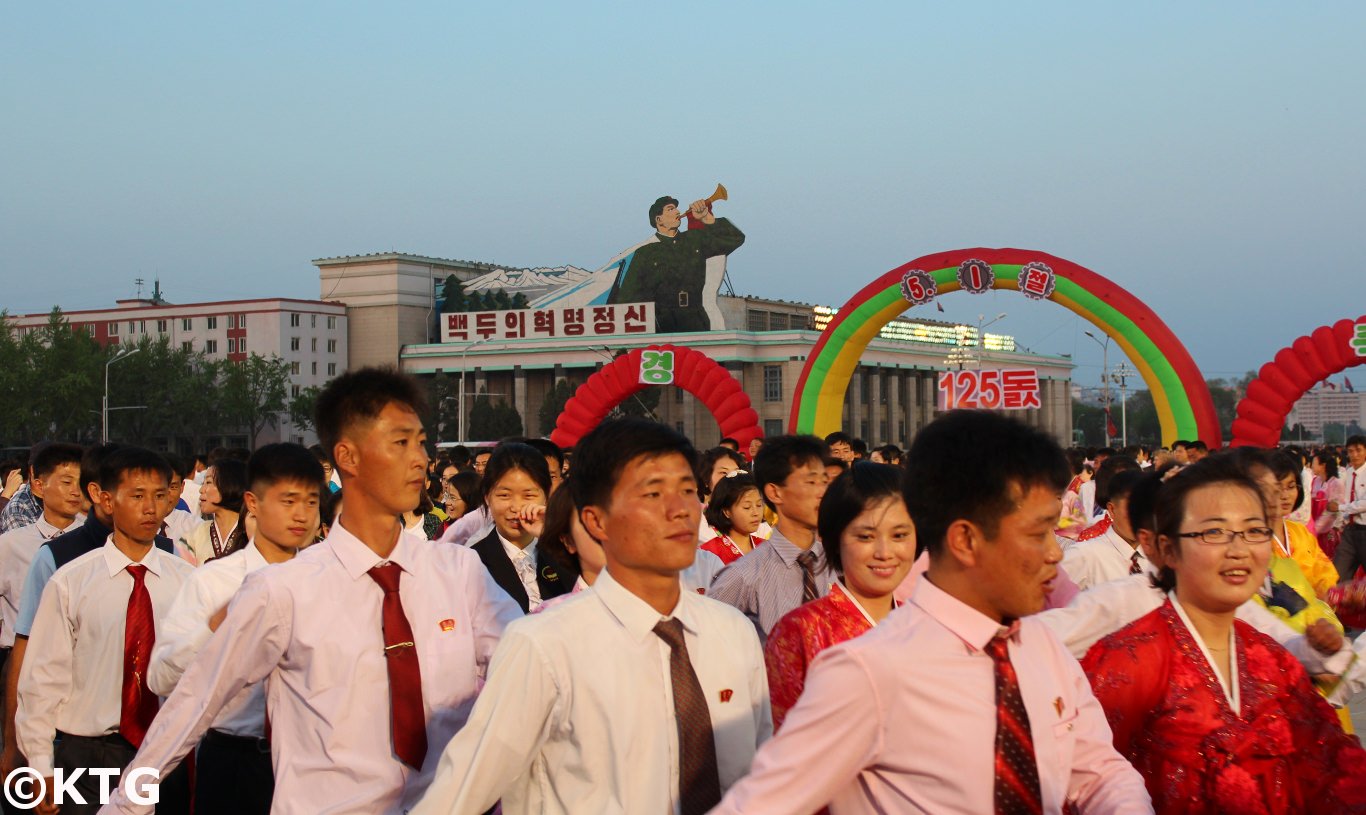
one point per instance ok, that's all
(800, 635)
(1282, 752)
(723, 547)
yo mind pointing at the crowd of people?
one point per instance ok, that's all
(984, 623)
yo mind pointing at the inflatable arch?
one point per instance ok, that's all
(1182, 398)
(1290, 374)
(693, 371)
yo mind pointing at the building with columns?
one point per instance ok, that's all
(393, 304)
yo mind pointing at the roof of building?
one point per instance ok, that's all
(404, 256)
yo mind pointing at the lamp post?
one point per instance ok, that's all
(1121, 375)
(959, 356)
(461, 406)
(1104, 377)
(123, 353)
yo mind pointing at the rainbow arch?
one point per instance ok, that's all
(1184, 407)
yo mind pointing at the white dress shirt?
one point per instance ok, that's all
(186, 629)
(1354, 511)
(17, 548)
(1087, 493)
(578, 714)
(1101, 559)
(697, 577)
(72, 678)
(524, 563)
(312, 627)
(1103, 610)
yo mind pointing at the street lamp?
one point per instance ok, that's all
(461, 408)
(959, 355)
(1121, 375)
(124, 353)
(1104, 377)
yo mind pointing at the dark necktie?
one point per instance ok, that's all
(807, 560)
(699, 782)
(407, 721)
(138, 703)
(1017, 773)
(1134, 568)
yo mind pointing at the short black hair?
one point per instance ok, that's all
(1329, 462)
(55, 455)
(657, 209)
(284, 461)
(1180, 443)
(864, 485)
(603, 454)
(831, 461)
(1284, 464)
(559, 526)
(859, 447)
(973, 465)
(1170, 509)
(131, 460)
(230, 479)
(549, 449)
(1122, 485)
(1106, 472)
(466, 485)
(1198, 445)
(1355, 440)
(780, 455)
(707, 461)
(358, 396)
(510, 456)
(728, 440)
(831, 439)
(177, 463)
(728, 491)
(91, 463)
(327, 507)
(1143, 501)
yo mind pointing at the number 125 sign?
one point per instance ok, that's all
(993, 389)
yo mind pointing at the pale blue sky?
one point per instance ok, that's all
(1208, 159)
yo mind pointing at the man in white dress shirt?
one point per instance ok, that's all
(233, 774)
(373, 643)
(1112, 551)
(1351, 551)
(633, 696)
(83, 682)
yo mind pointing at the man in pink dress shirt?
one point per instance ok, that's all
(905, 717)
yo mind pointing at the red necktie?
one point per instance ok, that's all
(1134, 567)
(1017, 772)
(139, 704)
(407, 720)
(699, 781)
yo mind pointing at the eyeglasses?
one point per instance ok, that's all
(1222, 537)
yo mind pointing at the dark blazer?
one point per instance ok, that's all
(553, 579)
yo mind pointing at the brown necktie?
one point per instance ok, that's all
(807, 560)
(407, 720)
(1134, 567)
(1017, 771)
(699, 783)
(139, 704)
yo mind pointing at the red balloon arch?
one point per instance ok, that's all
(1291, 373)
(694, 372)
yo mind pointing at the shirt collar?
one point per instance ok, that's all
(255, 560)
(789, 551)
(117, 561)
(967, 623)
(638, 617)
(358, 559)
(515, 552)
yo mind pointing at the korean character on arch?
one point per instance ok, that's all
(486, 324)
(457, 327)
(514, 325)
(543, 322)
(604, 320)
(571, 320)
(1019, 388)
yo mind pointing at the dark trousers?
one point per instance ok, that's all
(233, 776)
(84, 752)
(1351, 552)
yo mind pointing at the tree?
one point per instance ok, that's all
(302, 408)
(507, 421)
(481, 418)
(519, 301)
(442, 417)
(254, 393)
(454, 293)
(501, 301)
(560, 393)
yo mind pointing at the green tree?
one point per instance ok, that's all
(64, 384)
(441, 421)
(560, 393)
(501, 301)
(302, 408)
(1090, 420)
(507, 421)
(254, 393)
(454, 293)
(481, 419)
(519, 301)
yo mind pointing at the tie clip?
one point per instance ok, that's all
(388, 648)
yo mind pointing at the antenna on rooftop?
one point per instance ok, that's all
(138, 282)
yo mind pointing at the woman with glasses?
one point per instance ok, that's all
(1217, 717)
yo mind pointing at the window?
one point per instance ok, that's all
(315, 369)
(185, 323)
(331, 346)
(331, 369)
(242, 321)
(678, 395)
(232, 321)
(758, 320)
(294, 391)
(187, 346)
(142, 326)
(773, 383)
(293, 343)
(161, 326)
(313, 345)
(331, 322)
(294, 368)
(773, 427)
(210, 346)
(293, 321)
(232, 345)
(132, 326)
(211, 323)
(113, 329)
(312, 321)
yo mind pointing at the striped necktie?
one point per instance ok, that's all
(1017, 772)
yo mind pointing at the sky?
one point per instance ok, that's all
(1206, 157)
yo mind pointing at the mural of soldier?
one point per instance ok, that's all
(672, 270)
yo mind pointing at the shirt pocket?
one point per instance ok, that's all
(1065, 737)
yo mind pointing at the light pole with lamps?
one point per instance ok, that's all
(124, 353)
(461, 407)
(1121, 375)
(1104, 378)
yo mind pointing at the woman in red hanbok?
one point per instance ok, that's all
(1218, 718)
(869, 541)
(735, 510)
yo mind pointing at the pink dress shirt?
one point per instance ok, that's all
(903, 719)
